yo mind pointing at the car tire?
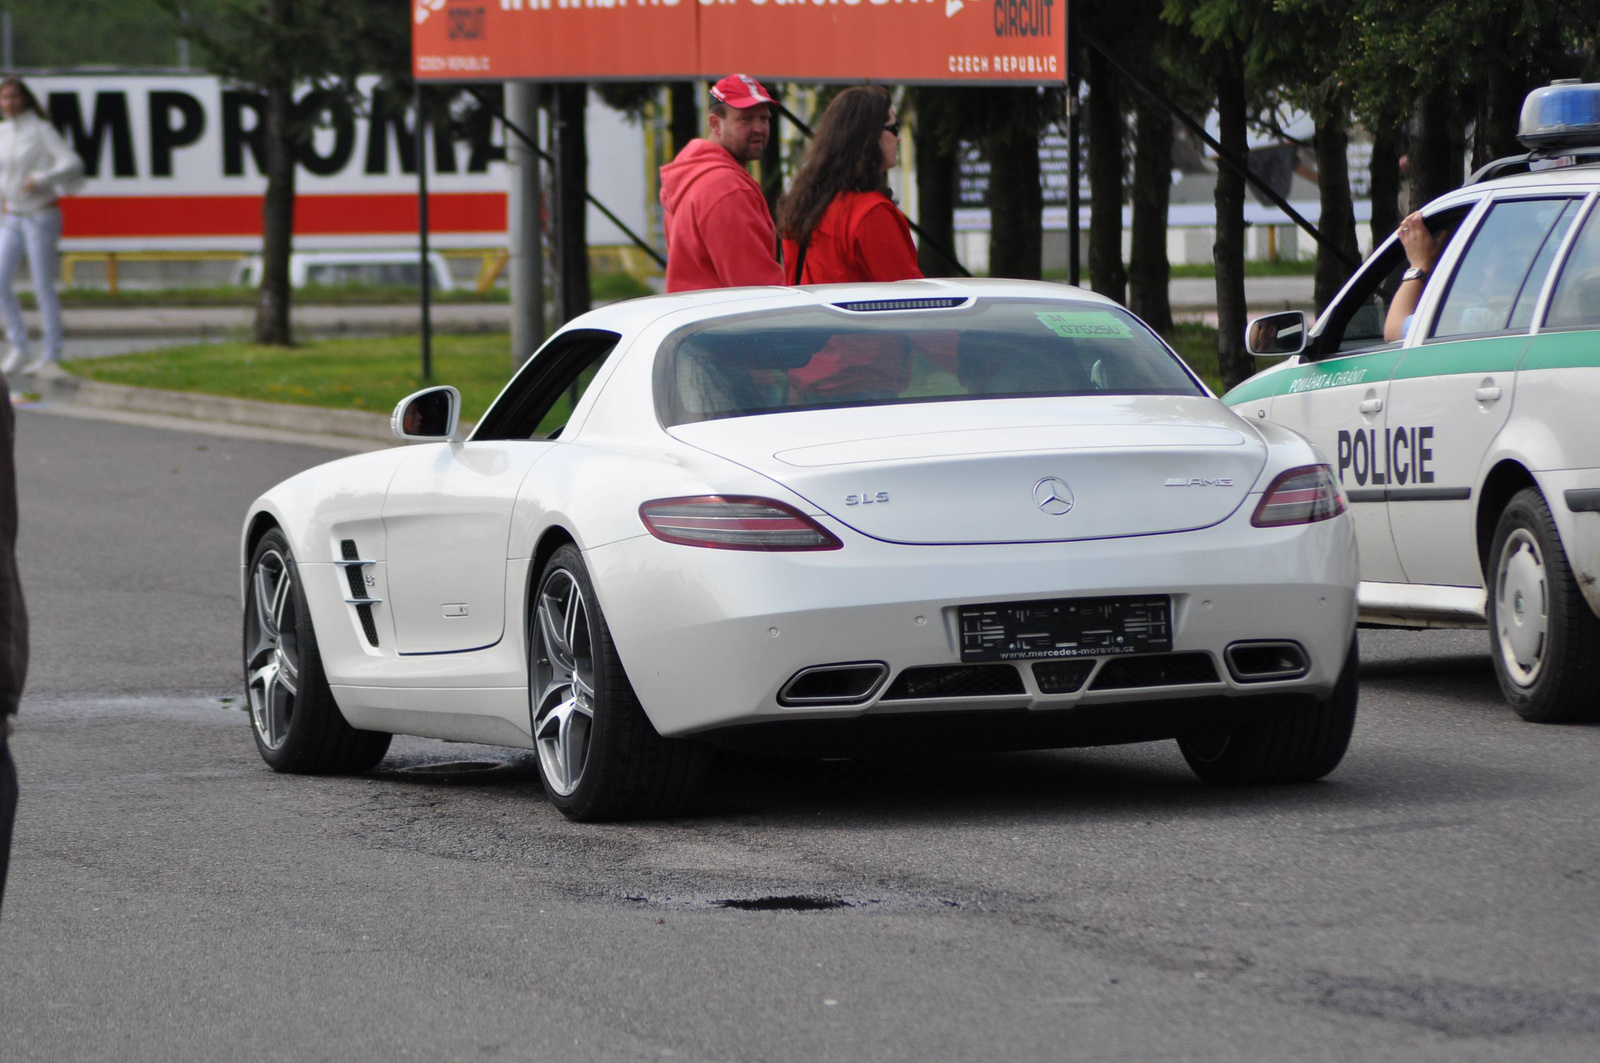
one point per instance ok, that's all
(297, 725)
(1543, 636)
(600, 758)
(1294, 742)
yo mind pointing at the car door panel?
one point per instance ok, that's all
(447, 517)
(1447, 402)
(1338, 403)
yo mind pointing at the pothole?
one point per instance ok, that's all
(453, 767)
(783, 904)
(818, 901)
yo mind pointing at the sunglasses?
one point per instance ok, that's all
(893, 128)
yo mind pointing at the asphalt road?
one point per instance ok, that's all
(1437, 898)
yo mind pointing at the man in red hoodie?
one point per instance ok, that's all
(719, 231)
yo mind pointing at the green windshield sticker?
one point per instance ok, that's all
(1083, 324)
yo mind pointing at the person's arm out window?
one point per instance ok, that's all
(1422, 251)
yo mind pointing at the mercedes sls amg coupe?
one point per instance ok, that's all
(979, 515)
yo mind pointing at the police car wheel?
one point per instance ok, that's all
(1294, 742)
(1544, 637)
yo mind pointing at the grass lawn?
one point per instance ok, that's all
(1198, 345)
(360, 374)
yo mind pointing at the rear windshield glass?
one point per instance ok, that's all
(819, 357)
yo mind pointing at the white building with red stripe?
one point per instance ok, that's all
(175, 164)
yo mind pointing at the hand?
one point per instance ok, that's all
(1422, 247)
(29, 184)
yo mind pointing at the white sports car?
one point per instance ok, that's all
(995, 514)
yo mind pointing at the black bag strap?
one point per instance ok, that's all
(800, 262)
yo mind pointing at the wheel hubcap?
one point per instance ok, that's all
(1522, 619)
(271, 663)
(563, 682)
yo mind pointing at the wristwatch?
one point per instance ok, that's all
(1415, 273)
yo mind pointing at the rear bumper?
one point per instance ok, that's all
(709, 637)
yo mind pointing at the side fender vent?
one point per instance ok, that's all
(358, 589)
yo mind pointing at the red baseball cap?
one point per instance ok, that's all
(740, 91)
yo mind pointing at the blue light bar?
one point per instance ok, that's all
(1563, 114)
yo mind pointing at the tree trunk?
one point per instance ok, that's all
(936, 191)
(1384, 173)
(1435, 165)
(1106, 273)
(1149, 274)
(1016, 200)
(277, 208)
(685, 100)
(1233, 363)
(572, 209)
(1500, 96)
(1338, 212)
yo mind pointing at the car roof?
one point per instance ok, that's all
(633, 314)
(1566, 179)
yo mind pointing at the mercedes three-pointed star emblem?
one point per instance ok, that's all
(1053, 496)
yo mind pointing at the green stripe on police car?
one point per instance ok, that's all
(1369, 368)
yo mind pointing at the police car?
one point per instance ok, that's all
(1467, 441)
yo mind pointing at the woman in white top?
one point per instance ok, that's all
(36, 167)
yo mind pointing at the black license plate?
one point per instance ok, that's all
(1066, 627)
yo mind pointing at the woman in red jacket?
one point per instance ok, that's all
(840, 226)
(837, 219)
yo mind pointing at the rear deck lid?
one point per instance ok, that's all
(1022, 470)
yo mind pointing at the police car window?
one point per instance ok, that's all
(1356, 323)
(1528, 298)
(1504, 266)
(1576, 300)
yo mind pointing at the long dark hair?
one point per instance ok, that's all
(844, 156)
(28, 98)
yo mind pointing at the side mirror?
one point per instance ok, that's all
(1276, 335)
(430, 415)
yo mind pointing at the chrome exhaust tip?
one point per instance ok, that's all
(834, 684)
(1266, 661)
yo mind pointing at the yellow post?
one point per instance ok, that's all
(494, 263)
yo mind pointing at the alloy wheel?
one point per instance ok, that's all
(272, 665)
(563, 681)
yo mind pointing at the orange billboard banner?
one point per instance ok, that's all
(572, 40)
(912, 41)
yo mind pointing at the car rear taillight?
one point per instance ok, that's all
(734, 522)
(1299, 496)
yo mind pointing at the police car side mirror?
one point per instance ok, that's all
(1276, 335)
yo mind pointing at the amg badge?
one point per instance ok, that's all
(1198, 481)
